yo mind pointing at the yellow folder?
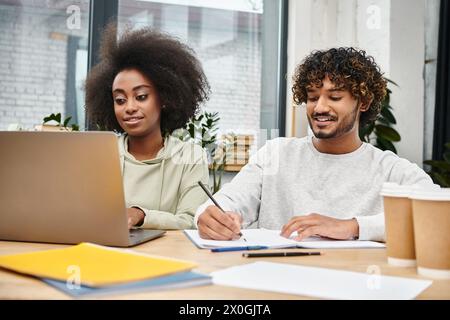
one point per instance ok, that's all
(93, 265)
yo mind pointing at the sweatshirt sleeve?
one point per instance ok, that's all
(407, 173)
(371, 227)
(402, 172)
(243, 194)
(190, 197)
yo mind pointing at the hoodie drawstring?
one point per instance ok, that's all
(161, 174)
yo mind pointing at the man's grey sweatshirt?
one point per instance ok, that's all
(289, 177)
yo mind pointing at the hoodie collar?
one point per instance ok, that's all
(171, 147)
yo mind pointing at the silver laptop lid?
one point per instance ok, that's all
(62, 187)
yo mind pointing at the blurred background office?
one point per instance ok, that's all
(249, 50)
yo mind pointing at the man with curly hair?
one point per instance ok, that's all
(326, 185)
(146, 85)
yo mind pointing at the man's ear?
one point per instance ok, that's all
(365, 106)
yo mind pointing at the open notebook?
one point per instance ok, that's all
(273, 240)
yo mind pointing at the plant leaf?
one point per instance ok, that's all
(386, 100)
(447, 156)
(66, 122)
(390, 81)
(443, 181)
(388, 115)
(386, 145)
(365, 132)
(383, 120)
(387, 133)
(52, 117)
(191, 130)
(438, 164)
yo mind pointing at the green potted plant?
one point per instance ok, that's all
(59, 126)
(440, 169)
(202, 130)
(381, 133)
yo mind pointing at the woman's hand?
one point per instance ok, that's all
(135, 217)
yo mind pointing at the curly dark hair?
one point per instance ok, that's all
(170, 65)
(347, 68)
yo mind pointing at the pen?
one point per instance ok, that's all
(214, 200)
(279, 254)
(225, 249)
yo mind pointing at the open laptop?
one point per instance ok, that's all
(64, 187)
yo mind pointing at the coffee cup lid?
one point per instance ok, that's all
(442, 194)
(391, 189)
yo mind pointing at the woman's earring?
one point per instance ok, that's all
(163, 106)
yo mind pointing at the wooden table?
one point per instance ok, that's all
(175, 244)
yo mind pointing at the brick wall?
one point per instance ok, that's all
(33, 69)
(32, 65)
(234, 72)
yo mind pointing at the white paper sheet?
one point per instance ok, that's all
(319, 282)
(272, 239)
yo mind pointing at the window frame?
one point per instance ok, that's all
(273, 78)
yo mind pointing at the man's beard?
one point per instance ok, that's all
(345, 126)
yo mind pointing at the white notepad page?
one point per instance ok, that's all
(272, 239)
(318, 282)
(326, 243)
(253, 237)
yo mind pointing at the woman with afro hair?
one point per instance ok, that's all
(146, 85)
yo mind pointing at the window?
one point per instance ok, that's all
(226, 36)
(46, 48)
(43, 60)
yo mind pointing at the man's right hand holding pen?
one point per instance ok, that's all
(214, 224)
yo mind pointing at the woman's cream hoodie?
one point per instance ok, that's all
(166, 187)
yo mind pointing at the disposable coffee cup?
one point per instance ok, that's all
(399, 225)
(431, 215)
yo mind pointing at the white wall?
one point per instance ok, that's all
(407, 56)
(299, 45)
(392, 31)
